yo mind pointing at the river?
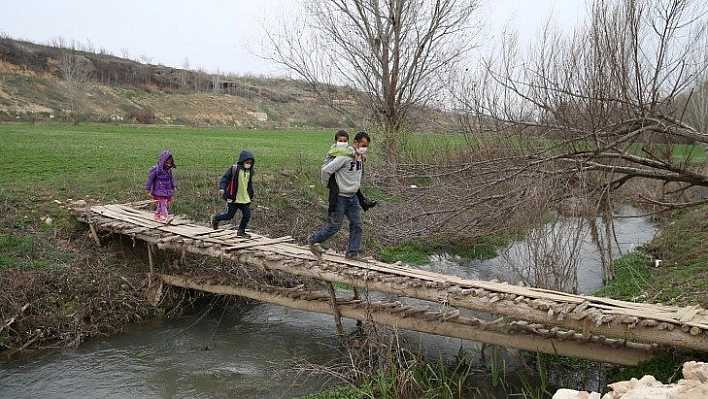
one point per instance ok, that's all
(235, 353)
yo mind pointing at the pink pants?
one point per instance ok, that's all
(161, 209)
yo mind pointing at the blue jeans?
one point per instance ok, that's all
(231, 209)
(348, 206)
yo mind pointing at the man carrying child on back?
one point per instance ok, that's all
(347, 172)
(341, 147)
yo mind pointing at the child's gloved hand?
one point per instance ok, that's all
(368, 203)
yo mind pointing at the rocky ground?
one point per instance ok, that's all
(694, 385)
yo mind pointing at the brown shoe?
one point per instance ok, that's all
(316, 249)
(353, 257)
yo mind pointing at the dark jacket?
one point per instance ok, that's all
(229, 181)
(160, 181)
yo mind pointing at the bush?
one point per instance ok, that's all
(144, 116)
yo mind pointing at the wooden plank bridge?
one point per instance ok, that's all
(501, 314)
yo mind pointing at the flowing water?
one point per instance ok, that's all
(229, 353)
(232, 353)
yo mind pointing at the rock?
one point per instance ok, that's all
(693, 386)
(572, 394)
(695, 371)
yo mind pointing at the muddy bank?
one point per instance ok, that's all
(63, 305)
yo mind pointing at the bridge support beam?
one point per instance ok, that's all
(509, 304)
(335, 309)
(460, 327)
(94, 234)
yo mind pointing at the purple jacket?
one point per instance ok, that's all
(160, 181)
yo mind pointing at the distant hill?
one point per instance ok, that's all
(33, 87)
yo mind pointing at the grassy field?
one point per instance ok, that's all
(45, 165)
(81, 160)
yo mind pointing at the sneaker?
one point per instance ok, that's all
(316, 249)
(169, 219)
(242, 233)
(214, 222)
(353, 257)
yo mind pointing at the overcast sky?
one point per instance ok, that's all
(213, 35)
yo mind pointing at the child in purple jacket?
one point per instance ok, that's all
(161, 185)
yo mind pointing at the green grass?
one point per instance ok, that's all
(343, 392)
(682, 278)
(115, 156)
(44, 165)
(631, 278)
(417, 253)
(109, 163)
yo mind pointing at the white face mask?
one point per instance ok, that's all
(342, 144)
(361, 150)
(247, 166)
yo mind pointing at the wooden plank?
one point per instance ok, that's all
(258, 244)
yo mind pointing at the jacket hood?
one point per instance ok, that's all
(163, 158)
(244, 156)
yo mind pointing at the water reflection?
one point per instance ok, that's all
(631, 231)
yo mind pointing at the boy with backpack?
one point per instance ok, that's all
(236, 187)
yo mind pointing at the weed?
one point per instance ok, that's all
(336, 393)
(497, 369)
(631, 278)
(538, 387)
(666, 368)
(442, 380)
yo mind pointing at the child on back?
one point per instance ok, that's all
(341, 148)
(161, 185)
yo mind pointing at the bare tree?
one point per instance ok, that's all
(697, 99)
(608, 95)
(392, 52)
(76, 70)
(582, 120)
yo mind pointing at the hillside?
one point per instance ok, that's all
(34, 86)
